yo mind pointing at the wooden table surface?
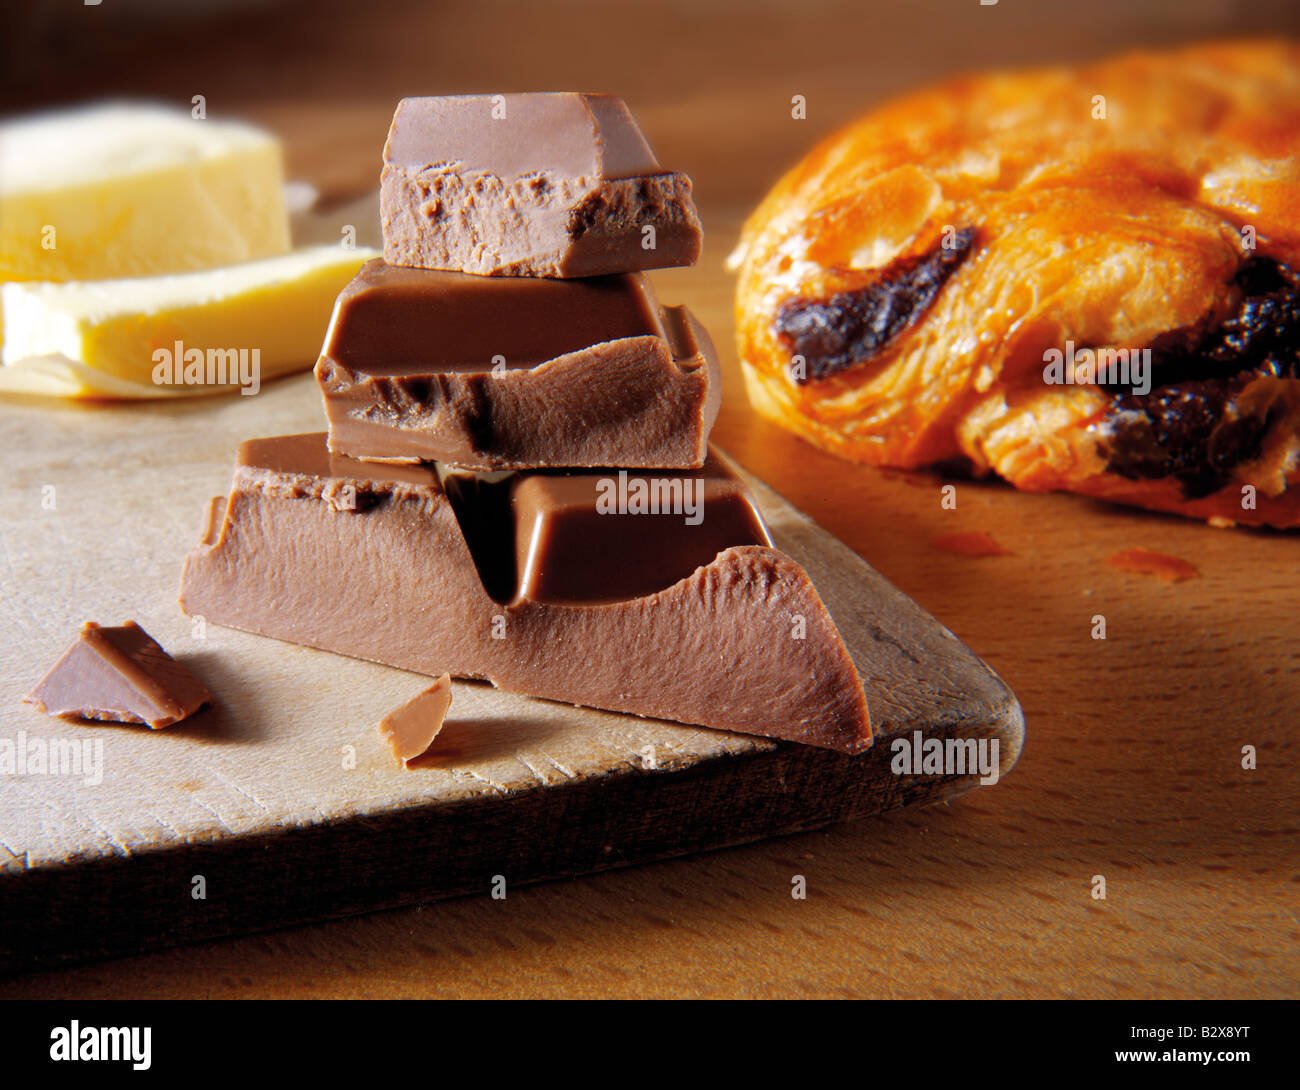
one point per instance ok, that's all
(1133, 764)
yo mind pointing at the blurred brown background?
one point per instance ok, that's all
(710, 80)
(1132, 764)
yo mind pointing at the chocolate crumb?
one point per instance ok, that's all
(1169, 569)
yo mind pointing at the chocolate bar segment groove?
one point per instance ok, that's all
(515, 373)
(554, 185)
(742, 643)
(582, 537)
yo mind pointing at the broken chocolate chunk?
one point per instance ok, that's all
(515, 372)
(557, 185)
(741, 643)
(853, 327)
(121, 675)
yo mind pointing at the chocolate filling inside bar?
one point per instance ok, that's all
(648, 613)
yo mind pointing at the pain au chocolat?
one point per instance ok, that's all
(1079, 279)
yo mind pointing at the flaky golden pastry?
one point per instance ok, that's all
(983, 272)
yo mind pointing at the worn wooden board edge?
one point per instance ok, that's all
(117, 906)
(125, 906)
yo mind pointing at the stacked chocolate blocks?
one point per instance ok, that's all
(516, 484)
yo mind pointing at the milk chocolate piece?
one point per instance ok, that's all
(560, 185)
(599, 536)
(370, 560)
(411, 729)
(582, 537)
(121, 675)
(515, 372)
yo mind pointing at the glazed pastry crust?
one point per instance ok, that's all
(1104, 232)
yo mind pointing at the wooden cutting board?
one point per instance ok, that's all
(282, 799)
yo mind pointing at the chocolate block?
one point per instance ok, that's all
(583, 537)
(119, 674)
(370, 560)
(515, 372)
(560, 185)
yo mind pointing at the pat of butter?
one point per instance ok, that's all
(169, 336)
(135, 190)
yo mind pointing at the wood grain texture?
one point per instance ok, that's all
(283, 797)
(1133, 764)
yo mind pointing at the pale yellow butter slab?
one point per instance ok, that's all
(121, 189)
(132, 338)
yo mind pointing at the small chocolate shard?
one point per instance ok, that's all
(854, 327)
(411, 729)
(121, 675)
(553, 185)
(515, 372)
